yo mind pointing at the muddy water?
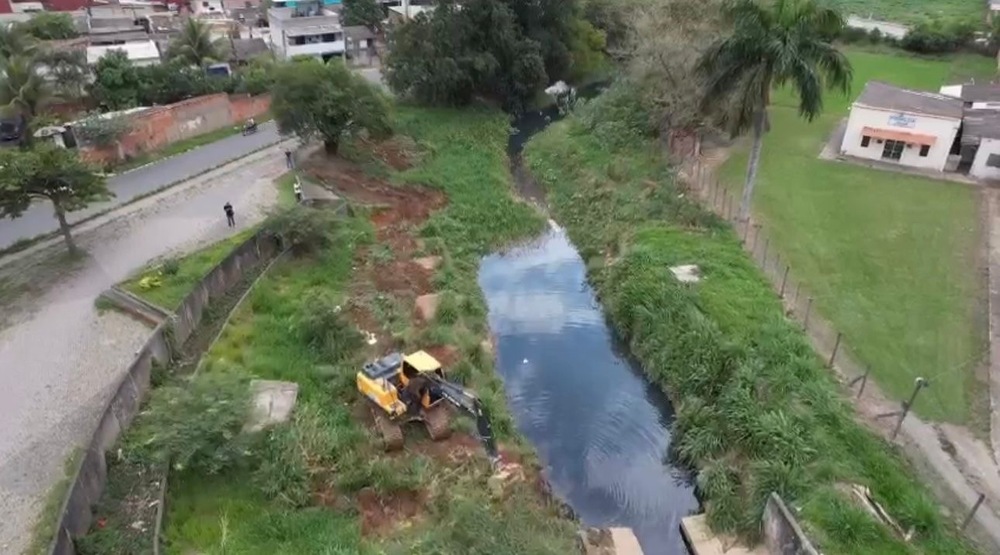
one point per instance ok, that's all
(601, 429)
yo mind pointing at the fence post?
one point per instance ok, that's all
(864, 381)
(918, 385)
(777, 262)
(756, 236)
(972, 513)
(767, 243)
(809, 306)
(784, 280)
(833, 355)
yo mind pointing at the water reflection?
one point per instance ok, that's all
(600, 427)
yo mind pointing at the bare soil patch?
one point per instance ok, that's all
(381, 514)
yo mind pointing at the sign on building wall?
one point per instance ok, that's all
(902, 120)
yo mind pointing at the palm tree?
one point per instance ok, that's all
(195, 45)
(23, 90)
(14, 41)
(781, 42)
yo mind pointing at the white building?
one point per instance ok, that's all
(910, 128)
(208, 8)
(981, 143)
(306, 30)
(141, 53)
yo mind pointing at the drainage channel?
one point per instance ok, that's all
(601, 429)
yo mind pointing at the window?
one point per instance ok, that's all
(865, 141)
(892, 150)
(204, 4)
(925, 150)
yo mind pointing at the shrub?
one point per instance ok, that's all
(170, 267)
(618, 116)
(305, 229)
(323, 327)
(938, 37)
(196, 426)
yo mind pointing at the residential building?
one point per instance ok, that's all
(980, 139)
(141, 53)
(306, 30)
(405, 12)
(906, 127)
(241, 51)
(208, 8)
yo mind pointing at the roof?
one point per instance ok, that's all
(980, 124)
(145, 50)
(889, 97)
(245, 49)
(118, 37)
(422, 361)
(358, 32)
(331, 26)
(414, 10)
(986, 92)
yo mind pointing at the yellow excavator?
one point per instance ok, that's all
(413, 388)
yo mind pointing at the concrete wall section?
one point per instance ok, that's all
(158, 127)
(942, 129)
(782, 534)
(90, 478)
(979, 168)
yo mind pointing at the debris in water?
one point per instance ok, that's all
(686, 273)
(525, 361)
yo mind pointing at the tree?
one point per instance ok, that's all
(455, 54)
(312, 99)
(51, 173)
(662, 49)
(68, 70)
(363, 12)
(50, 26)
(784, 42)
(23, 90)
(117, 82)
(14, 41)
(195, 45)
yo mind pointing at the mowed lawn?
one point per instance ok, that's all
(914, 11)
(889, 258)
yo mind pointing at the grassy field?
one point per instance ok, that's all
(889, 258)
(913, 11)
(756, 409)
(170, 280)
(337, 492)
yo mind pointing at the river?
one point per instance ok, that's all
(601, 429)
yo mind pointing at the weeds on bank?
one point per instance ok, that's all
(756, 410)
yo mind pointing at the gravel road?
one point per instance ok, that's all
(60, 360)
(39, 219)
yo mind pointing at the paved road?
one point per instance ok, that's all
(58, 365)
(39, 219)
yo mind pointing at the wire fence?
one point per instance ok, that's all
(830, 343)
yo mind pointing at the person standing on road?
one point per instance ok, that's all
(298, 191)
(289, 162)
(230, 215)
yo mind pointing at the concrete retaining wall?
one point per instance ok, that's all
(782, 534)
(90, 479)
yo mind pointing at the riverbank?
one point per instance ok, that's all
(757, 411)
(429, 203)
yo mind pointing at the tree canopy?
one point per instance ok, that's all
(784, 42)
(504, 50)
(51, 173)
(120, 84)
(315, 99)
(50, 26)
(23, 90)
(366, 13)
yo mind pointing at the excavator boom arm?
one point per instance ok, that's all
(465, 400)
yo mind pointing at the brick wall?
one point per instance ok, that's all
(160, 126)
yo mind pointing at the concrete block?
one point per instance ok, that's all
(273, 402)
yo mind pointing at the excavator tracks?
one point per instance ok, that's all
(438, 422)
(391, 432)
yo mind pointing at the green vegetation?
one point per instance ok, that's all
(756, 409)
(889, 258)
(322, 483)
(167, 283)
(913, 11)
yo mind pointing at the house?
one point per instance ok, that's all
(994, 6)
(906, 127)
(141, 53)
(980, 141)
(241, 51)
(405, 12)
(976, 96)
(306, 30)
(208, 8)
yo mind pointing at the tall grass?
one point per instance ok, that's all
(756, 410)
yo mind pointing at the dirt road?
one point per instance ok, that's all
(60, 359)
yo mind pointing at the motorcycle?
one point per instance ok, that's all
(249, 129)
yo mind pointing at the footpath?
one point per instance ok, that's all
(60, 358)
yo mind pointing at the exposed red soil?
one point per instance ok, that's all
(403, 277)
(381, 514)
